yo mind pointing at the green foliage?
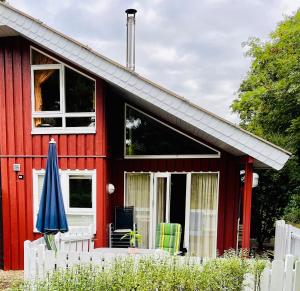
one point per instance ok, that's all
(169, 273)
(292, 211)
(269, 97)
(268, 103)
(134, 238)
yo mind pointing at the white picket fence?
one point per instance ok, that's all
(76, 240)
(281, 275)
(287, 240)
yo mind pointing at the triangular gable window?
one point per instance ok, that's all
(147, 137)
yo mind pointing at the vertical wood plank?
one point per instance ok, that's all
(72, 151)
(297, 277)
(81, 151)
(14, 221)
(289, 264)
(22, 227)
(73, 258)
(29, 198)
(26, 259)
(61, 259)
(50, 261)
(37, 150)
(41, 261)
(63, 151)
(99, 137)
(90, 151)
(277, 275)
(3, 137)
(10, 119)
(18, 98)
(100, 211)
(265, 279)
(6, 214)
(26, 81)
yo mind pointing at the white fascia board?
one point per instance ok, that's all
(112, 72)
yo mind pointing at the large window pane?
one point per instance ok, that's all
(46, 90)
(80, 192)
(147, 136)
(79, 91)
(138, 195)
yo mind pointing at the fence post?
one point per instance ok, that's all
(26, 259)
(289, 264)
(277, 275)
(280, 239)
(265, 279)
(40, 261)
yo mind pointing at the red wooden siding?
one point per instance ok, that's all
(17, 145)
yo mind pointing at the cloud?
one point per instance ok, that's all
(192, 48)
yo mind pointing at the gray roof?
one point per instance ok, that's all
(176, 109)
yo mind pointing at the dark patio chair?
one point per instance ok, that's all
(124, 222)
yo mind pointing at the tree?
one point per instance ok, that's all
(268, 103)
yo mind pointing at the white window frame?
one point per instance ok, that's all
(62, 112)
(64, 178)
(192, 156)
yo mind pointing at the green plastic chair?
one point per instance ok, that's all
(168, 236)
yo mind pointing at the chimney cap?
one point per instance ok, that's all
(131, 11)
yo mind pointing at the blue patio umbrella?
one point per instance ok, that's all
(51, 215)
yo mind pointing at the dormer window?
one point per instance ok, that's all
(63, 99)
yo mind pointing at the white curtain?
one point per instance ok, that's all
(138, 195)
(161, 199)
(203, 215)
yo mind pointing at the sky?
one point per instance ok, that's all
(192, 47)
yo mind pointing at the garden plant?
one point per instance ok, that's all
(149, 273)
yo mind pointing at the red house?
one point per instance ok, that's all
(170, 159)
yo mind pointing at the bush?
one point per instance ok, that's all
(292, 211)
(169, 273)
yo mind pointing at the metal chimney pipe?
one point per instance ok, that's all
(130, 51)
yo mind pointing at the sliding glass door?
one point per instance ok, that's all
(151, 195)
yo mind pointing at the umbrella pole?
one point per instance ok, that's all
(50, 242)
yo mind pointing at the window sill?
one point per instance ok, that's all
(72, 130)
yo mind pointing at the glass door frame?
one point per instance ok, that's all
(156, 175)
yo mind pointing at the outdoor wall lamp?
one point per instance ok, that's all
(110, 188)
(255, 178)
